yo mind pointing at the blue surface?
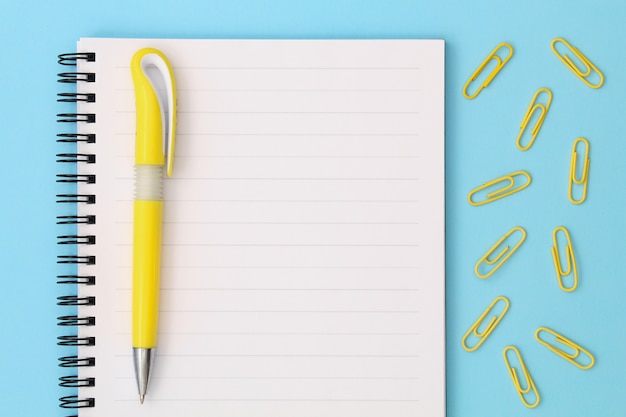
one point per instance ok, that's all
(480, 138)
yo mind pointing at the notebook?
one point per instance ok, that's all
(303, 246)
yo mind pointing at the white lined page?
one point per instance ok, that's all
(303, 244)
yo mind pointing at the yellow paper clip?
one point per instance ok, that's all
(534, 106)
(497, 260)
(583, 72)
(566, 349)
(506, 189)
(482, 334)
(572, 269)
(527, 390)
(584, 176)
(500, 62)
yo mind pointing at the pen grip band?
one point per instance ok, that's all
(149, 182)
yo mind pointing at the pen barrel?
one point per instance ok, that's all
(148, 221)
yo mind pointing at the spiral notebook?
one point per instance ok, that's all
(303, 251)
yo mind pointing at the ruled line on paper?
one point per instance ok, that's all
(174, 333)
(229, 67)
(292, 378)
(272, 400)
(278, 356)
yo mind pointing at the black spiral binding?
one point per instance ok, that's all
(73, 321)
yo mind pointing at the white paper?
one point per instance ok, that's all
(303, 250)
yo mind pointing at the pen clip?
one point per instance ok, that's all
(152, 72)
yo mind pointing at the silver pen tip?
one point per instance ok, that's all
(143, 359)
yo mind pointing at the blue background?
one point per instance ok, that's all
(480, 145)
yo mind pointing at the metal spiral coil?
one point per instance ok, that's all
(74, 300)
(76, 137)
(70, 239)
(76, 240)
(76, 259)
(72, 401)
(90, 219)
(76, 362)
(73, 381)
(76, 178)
(74, 158)
(76, 279)
(76, 198)
(76, 118)
(76, 341)
(73, 58)
(76, 97)
(76, 77)
(76, 321)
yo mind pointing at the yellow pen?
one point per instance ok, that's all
(155, 100)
